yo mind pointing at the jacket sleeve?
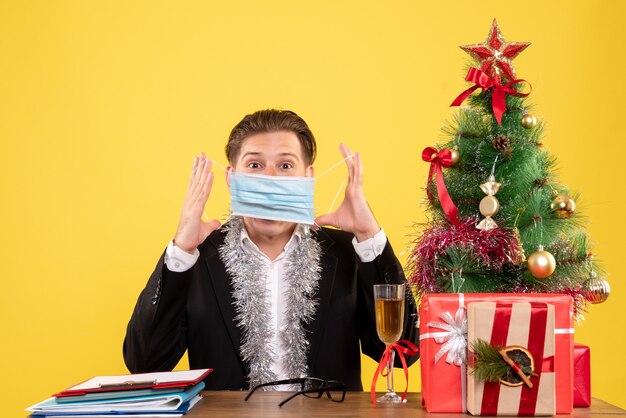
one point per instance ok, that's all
(384, 269)
(156, 336)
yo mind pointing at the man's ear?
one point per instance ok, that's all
(310, 171)
(228, 171)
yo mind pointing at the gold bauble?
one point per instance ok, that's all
(489, 206)
(454, 156)
(596, 290)
(541, 264)
(529, 121)
(563, 205)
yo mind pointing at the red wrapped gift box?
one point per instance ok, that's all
(443, 348)
(582, 375)
(521, 324)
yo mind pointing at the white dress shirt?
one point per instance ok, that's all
(178, 260)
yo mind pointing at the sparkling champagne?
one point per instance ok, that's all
(389, 319)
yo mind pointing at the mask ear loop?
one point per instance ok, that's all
(333, 167)
(219, 165)
(338, 191)
(340, 187)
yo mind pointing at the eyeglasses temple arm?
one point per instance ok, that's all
(276, 383)
(254, 390)
(290, 398)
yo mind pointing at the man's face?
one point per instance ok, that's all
(272, 154)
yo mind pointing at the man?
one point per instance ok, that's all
(260, 299)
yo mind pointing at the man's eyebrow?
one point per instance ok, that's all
(250, 153)
(289, 154)
(282, 154)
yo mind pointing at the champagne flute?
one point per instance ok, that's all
(389, 299)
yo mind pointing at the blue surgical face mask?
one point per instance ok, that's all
(278, 198)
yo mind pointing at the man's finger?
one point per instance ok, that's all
(325, 220)
(358, 169)
(347, 155)
(196, 173)
(206, 187)
(349, 158)
(194, 167)
(345, 150)
(204, 172)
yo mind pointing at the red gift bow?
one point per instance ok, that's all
(436, 160)
(498, 96)
(410, 350)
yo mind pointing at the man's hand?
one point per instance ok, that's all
(353, 214)
(192, 231)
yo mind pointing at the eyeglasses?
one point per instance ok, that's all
(311, 387)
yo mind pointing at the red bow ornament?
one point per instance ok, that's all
(498, 94)
(382, 369)
(438, 159)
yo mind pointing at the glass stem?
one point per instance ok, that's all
(390, 372)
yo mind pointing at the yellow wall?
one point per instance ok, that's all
(104, 103)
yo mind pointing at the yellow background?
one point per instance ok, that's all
(104, 103)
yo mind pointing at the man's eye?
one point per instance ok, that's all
(254, 165)
(286, 166)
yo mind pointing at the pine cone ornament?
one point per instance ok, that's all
(502, 144)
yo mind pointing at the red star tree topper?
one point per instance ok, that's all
(495, 54)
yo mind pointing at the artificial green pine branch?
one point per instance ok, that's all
(489, 366)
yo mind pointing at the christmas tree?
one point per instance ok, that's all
(500, 221)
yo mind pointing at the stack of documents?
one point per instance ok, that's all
(163, 394)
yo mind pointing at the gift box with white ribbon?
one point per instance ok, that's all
(443, 347)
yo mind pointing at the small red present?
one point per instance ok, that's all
(525, 330)
(582, 375)
(443, 347)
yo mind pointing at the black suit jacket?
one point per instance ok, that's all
(194, 311)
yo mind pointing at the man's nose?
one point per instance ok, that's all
(270, 170)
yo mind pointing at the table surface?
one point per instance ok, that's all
(357, 404)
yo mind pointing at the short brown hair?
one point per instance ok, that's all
(271, 120)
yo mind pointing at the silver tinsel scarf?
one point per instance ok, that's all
(252, 303)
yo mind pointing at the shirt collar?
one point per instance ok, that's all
(294, 240)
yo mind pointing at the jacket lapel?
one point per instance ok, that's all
(223, 293)
(329, 270)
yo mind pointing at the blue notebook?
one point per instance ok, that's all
(168, 403)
